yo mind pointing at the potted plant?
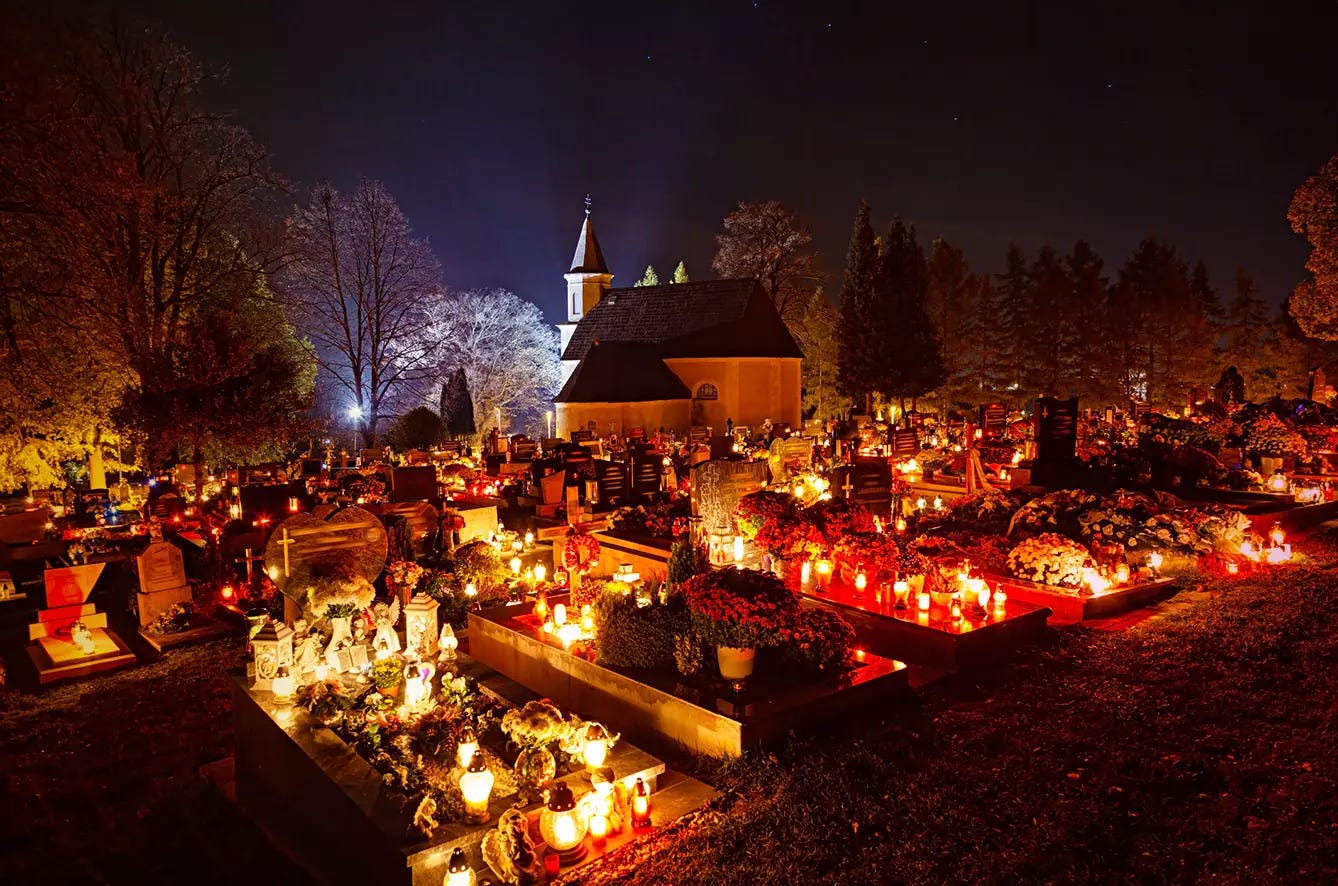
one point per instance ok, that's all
(387, 676)
(737, 610)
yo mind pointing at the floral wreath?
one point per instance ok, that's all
(578, 543)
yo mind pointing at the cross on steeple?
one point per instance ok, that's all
(587, 205)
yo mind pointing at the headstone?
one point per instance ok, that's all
(717, 487)
(303, 545)
(993, 421)
(1056, 430)
(413, 484)
(915, 419)
(162, 580)
(59, 647)
(1138, 409)
(636, 434)
(310, 467)
(9, 590)
(646, 475)
(451, 447)
(269, 502)
(582, 436)
(904, 442)
(1315, 390)
(698, 434)
(369, 457)
(866, 482)
(789, 455)
(611, 480)
(722, 447)
(422, 518)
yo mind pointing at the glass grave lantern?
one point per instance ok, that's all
(272, 648)
(561, 824)
(420, 625)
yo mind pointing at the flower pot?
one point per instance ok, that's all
(940, 598)
(779, 567)
(390, 691)
(736, 663)
(534, 769)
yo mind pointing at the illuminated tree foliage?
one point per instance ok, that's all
(1314, 213)
(772, 245)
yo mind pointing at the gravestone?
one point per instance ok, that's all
(698, 434)
(1056, 425)
(451, 447)
(310, 467)
(1138, 409)
(422, 518)
(304, 546)
(582, 436)
(867, 482)
(646, 476)
(369, 457)
(717, 487)
(993, 421)
(269, 502)
(162, 580)
(611, 480)
(413, 483)
(636, 434)
(789, 456)
(58, 650)
(904, 442)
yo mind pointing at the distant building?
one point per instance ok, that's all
(671, 356)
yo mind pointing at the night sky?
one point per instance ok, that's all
(490, 121)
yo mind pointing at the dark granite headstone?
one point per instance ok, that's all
(582, 436)
(993, 421)
(904, 442)
(611, 478)
(417, 483)
(867, 482)
(646, 475)
(1056, 430)
(310, 467)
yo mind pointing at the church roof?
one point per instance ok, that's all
(588, 258)
(621, 372)
(711, 318)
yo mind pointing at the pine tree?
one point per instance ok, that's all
(1095, 367)
(457, 406)
(1016, 319)
(1204, 295)
(908, 360)
(650, 278)
(681, 273)
(819, 338)
(950, 289)
(855, 366)
(989, 344)
(1248, 338)
(1050, 334)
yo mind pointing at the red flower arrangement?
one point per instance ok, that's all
(740, 607)
(876, 550)
(790, 536)
(836, 518)
(756, 508)
(581, 553)
(819, 640)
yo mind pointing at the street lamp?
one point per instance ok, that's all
(355, 416)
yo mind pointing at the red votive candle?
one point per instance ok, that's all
(552, 863)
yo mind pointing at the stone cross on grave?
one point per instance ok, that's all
(847, 486)
(285, 541)
(248, 560)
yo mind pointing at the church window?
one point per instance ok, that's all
(707, 391)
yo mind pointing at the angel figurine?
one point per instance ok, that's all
(307, 654)
(385, 615)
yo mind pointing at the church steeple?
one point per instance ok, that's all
(588, 258)
(589, 277)
(587, 281)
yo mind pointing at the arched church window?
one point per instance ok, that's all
(707, 391)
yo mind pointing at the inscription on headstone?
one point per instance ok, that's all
(905, 442)
(611, 478)
(993, 420)
(868, 483)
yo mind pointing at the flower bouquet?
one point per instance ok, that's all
(739, 608)
(838, 517)
(1269, 437)
(1051, 559)
(790, 536)
(756, 508)
(876, 550)
(341, 594)
(405, 574)
(819, 640)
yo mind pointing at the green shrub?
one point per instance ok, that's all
(686, 559)
(632, 636)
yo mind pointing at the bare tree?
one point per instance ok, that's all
(771, 244)
(508, 351)
(359, 286)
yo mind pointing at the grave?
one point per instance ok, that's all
(422, 518)
(611, 482)
(867, 482)
(647, 475)
(903, 442)
(993, 421)
(974, 641)
(703, 716)
(1067, 608)
(162, 580)
(282, 753)
(789, 455)
(1055, 423)
(717, 487)
(413, 484)
(304, 545)
(59, 649)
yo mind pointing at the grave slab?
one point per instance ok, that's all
(56, 658)
(1069, 609)
(974, 641)
(703, 717)
(286, 759)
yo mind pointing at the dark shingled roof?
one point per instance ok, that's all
(588, 258)
(621, 372)
(711, 318)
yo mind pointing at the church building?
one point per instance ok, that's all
(671, 356)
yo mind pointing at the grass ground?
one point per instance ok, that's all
(1198, 746)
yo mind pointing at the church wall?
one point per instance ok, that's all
(620, 417)
(751, 389)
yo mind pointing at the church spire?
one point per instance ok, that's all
(588, 258)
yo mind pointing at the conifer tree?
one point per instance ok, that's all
(681, 273)
(907, 358)
(1013, 290)
(650, 278)
(855, 366)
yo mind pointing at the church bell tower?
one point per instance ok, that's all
(587, 281)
